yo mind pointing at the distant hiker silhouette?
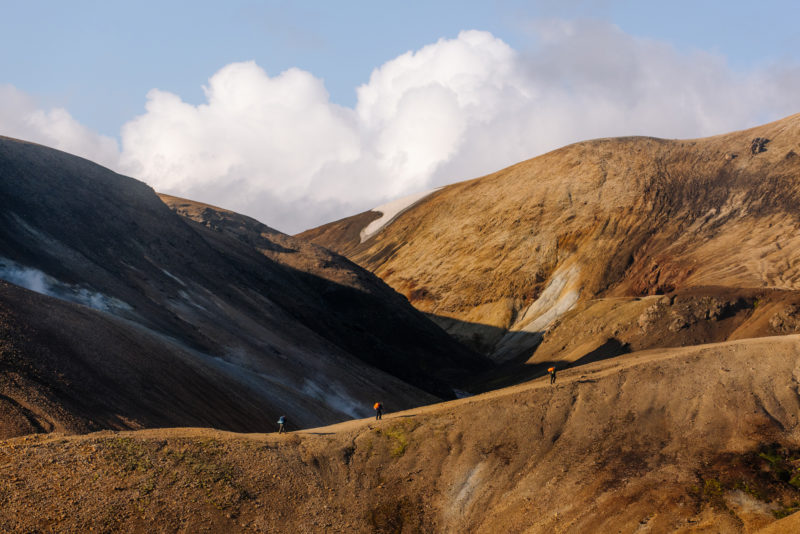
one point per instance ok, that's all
(378, 410)
(552, 372)
(281, 424)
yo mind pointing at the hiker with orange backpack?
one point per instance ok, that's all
(378, 410)
(552, 372)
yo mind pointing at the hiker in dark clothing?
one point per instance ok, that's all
(378, 410)
(281, 424)
(552, 372)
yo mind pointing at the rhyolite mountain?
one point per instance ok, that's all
(145, 317)
(576, 257)
(602, 247)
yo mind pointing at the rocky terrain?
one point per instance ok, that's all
(696, 439)
(589, 234)
(120, 313)
(659, 276)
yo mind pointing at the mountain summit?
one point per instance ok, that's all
(571, 251)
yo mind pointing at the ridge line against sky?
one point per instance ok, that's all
(279, 137)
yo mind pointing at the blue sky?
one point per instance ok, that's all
(99, 58)
(78, 74)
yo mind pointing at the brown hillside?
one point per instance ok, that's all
(497, 260)
(700, 439)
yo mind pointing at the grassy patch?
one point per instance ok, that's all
(710, 491)
(399, 439)
(204, 463)
(750, 489)
(399, 436)
(129, 454)
(782, 463)
(153, 466)
(786, 510)
(713, 488)
(770, 474)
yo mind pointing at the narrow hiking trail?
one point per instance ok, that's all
(577, 375)
(662, 440)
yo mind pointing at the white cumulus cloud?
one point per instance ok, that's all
(262, 133)
(275, 147)
(22, 118)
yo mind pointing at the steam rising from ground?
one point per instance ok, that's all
(37, 281)
(276, 147)
(334, 397)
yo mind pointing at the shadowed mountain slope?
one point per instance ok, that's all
(320, 344)
(350, 305)
(694, 439)
(498, 261)
(69, 368)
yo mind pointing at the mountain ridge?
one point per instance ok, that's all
(596, 451)
(78, 232)
(490, 258)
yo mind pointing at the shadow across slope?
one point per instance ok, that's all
(607, 327)
(352, 308)
(74, 230)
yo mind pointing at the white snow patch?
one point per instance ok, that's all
(40, 282)
(390, 211)
(552, 303)
(558, 298)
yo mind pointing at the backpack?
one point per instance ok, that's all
(377, 406)
(281, 420)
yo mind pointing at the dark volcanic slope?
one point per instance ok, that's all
(72, 229)
(66, 367)
(499, 260)
(359, 311)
